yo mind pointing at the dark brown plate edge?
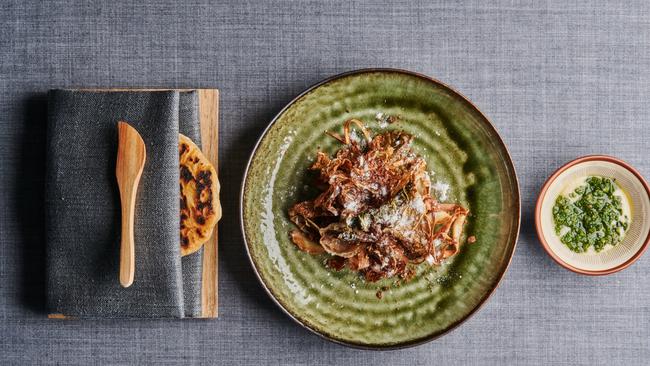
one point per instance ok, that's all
(481, 303)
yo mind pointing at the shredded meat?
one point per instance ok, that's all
(375, 213)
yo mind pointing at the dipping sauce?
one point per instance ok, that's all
(592, 214)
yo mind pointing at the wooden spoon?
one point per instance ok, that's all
(131, 154)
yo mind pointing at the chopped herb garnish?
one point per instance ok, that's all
(591, 215)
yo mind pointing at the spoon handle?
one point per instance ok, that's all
(127, 245)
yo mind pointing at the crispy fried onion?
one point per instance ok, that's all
(375, 213)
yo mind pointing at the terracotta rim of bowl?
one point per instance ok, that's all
(499, 277)
(538, 215)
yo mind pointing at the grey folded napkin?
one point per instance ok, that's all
(83, 209)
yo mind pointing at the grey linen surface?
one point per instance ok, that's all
(558, 79)
(83, 210)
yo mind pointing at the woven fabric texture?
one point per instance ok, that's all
(559, 79)
(83, 212)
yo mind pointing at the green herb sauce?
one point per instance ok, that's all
(590, 216)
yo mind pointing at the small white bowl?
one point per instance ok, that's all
(611, 259)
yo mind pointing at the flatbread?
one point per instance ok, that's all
(199, 187)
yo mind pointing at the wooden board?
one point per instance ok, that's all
(209, 117)
(209, 121)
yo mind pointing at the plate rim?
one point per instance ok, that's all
(500, 276)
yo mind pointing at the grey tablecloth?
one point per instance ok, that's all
(558, 79)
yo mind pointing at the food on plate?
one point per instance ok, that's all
(375, 213)
(200, 209)
(592, 214)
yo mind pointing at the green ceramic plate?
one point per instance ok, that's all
(462, 150)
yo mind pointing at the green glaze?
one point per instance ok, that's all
(461, 148)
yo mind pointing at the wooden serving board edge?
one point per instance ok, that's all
(209, 121)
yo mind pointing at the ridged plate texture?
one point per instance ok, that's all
(462, 150)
